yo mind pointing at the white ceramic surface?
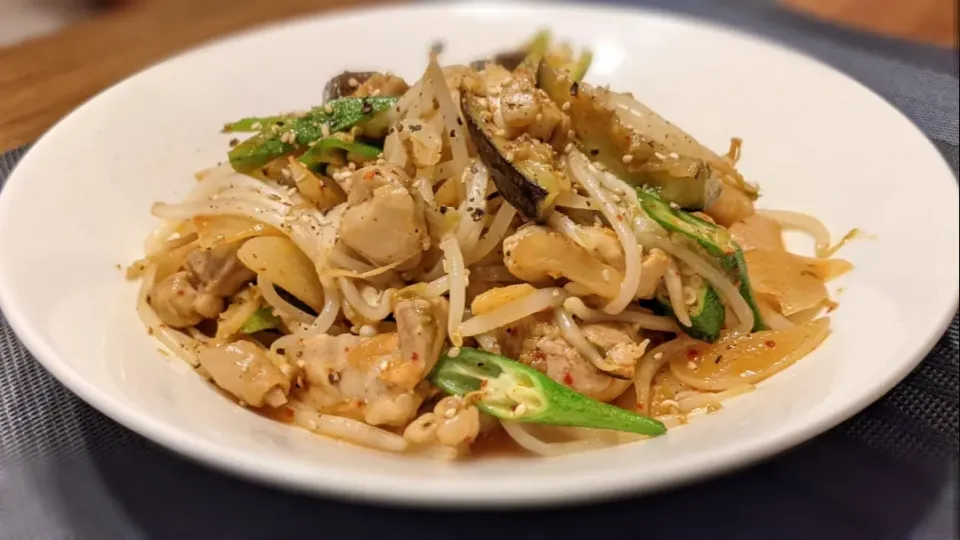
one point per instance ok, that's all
(78, 206)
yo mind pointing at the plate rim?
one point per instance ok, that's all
(273, 472)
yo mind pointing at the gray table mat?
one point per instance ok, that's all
(66, 471)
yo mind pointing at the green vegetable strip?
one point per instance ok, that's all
(513, 391)
(713, 239)
(263, 319)
(579, 70)
(326, 151)
(254, 123)
(337, 115)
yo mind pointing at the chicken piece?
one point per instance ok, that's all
(453, 422)
(380, 84)
(537, 254)
(538, 343)
(356, 377)
(757, 232)
(179, 304)
(422, 329)
(243, 369)
(382, 221)
(652, 270)
(524, 109)
(218, 270)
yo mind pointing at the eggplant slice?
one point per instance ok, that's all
(530, 187)
(636, 157)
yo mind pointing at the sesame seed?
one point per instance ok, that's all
(328, 109)
(352, 166)
(674, 155)
(571, 134)
(301, 364)
(691, 365)
(285, 173)
(256, 125)
(508, 80)
(500, 133)
(449, 413)
(453, 352)
(352, 82)
(510, 156)
(669, 403)
(569, 148)
(659, 155)
(627, 158)
(521, 408)
(658, 356)
(565, 107)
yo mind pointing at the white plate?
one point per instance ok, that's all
(78, 206)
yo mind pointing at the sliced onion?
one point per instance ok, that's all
(804, 222)
(281, 306)
(515, 310)
(707, 399)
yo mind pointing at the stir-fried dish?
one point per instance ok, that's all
(497, 250)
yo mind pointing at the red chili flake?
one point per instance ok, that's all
(539, 355)
(181, 292)
(483, 383)
(770, 343)
(619, 217)
(288, 412)
(414, 356)
(639, 406)
(567, 378)
(368, 175)
(692, 353)
(509, 331)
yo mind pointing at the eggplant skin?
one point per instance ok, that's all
(526, 195)
(339, 86)
(509, 60)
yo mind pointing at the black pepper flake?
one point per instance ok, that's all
(717, 360)
(234, 142)
(436, 47)
(574, 89)
(390, 131)
(453, 133)
(399, 128)
(366, 107)
(476, 214)
(416, 127)
(493, 195)
(594, 152)
(443, 209)
(263, 171)
(436, 104)
(459, 121)
(281, 123)
(333, 377)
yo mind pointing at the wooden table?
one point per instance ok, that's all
(43, 79)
